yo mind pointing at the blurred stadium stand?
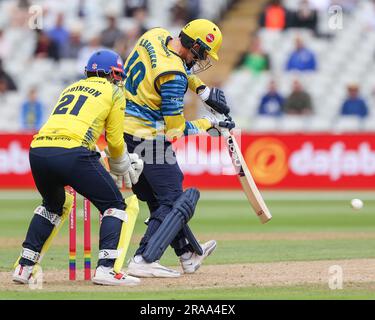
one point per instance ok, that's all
(344, 56)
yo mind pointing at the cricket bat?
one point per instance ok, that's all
(247, 182)
(244, 175)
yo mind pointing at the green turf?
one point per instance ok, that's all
(306, 292)
(219, 213)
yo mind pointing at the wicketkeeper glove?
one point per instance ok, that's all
(127, 168)
(133, 175)
(215, 99)
(119, 166)
(116, 179)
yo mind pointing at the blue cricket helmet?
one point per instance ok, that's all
(107, 61)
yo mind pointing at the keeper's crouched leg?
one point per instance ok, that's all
(43, 228)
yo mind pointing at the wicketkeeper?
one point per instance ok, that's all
(63, 154)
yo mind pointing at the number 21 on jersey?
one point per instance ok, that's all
(65, 101)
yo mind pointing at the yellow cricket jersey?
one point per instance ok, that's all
(84, 110)
(156, 81)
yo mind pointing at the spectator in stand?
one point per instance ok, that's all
(179, 17)
(4, 45)
(86, 51)
(193, 9)
(74, 45)
(123, 47)
(368, 17)
(299, 102)
(255, 59)
(130, 6)
(140, 16)
(301, 59)
(354, 105)
(348, 5)
(112, 33)
(32, 112)
(274, 16)
(81, 9)
(320, 5)
(305, 17)
(3, 88)
(46, 47)
(19, 13)
(59, 34)
(272, 102)
(125, 44)
(8, 83)
(179, 12)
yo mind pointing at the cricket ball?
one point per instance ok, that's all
(356, 204)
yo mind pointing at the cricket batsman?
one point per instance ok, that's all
(63, 154)
(158, 72)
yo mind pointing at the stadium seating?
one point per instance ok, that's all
(346, 57)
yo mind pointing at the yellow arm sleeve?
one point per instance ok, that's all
(115, 124)
(201, 124)
(195, 83)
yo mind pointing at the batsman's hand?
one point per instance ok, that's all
(215, 99)
(218, 125)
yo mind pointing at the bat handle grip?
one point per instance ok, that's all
(228, 116)
(225, 133)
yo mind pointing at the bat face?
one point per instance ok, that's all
(248, 184)
(236, 160)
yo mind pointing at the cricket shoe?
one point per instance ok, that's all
(191, 261)
(107, 277)
(140, 268)
(22, 274)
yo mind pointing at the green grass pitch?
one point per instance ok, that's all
(306, 226)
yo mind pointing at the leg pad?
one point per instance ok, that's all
(181, 213)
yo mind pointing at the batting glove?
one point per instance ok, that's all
(215, 99)
(217, 126)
